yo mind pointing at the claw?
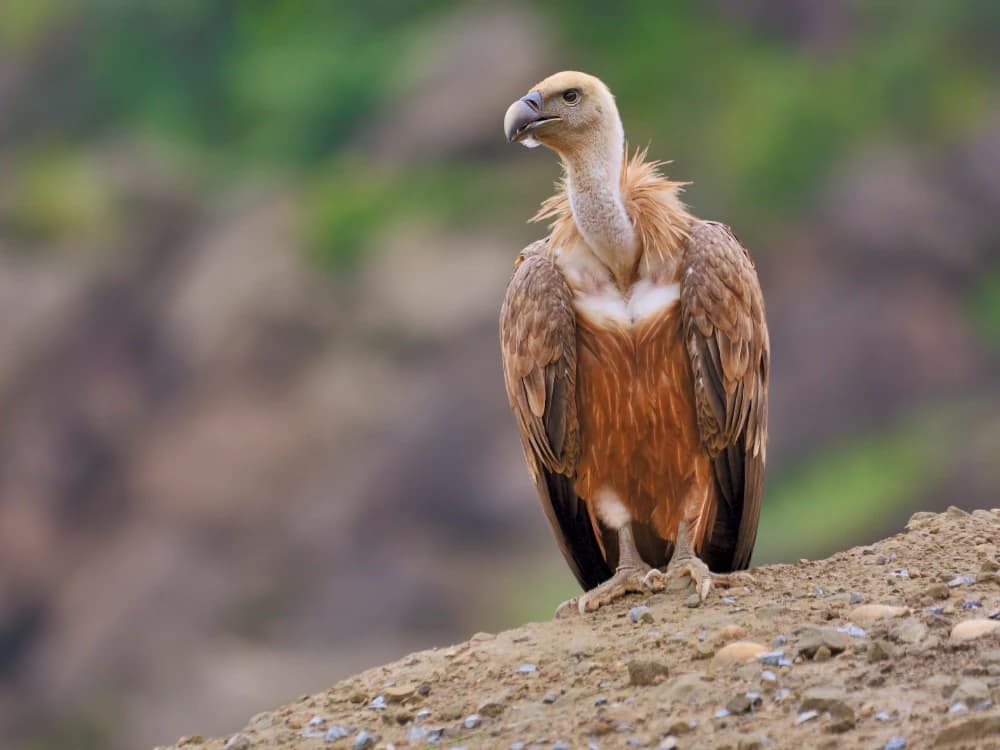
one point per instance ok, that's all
(654, 580)
(703, 578)
(696, 570)
(568, 608)
(624, 581)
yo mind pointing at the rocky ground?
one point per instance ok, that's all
(895, 645)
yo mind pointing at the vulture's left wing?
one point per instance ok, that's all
(726, 337)
(538, 344)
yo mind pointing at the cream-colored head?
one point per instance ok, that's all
(570, 112)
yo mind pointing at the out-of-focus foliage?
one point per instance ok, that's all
(256, 87)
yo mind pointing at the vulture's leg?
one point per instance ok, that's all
(685, 563)
(632, 575)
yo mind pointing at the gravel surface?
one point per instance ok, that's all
(894, 646)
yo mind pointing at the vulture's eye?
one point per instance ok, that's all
(571, 96)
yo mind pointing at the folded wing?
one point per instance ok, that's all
(727, 342)
(538, 345)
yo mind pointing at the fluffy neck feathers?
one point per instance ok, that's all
(629, 215)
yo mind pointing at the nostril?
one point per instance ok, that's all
(533, 100)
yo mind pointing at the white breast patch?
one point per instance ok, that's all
(645, 300)
(648, 299)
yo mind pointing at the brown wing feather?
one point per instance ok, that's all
(726, 337)
(538, 344)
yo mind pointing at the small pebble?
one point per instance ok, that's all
(434, 735)
(335, 733)
(771, 658)
(600, 700)
(856, 598)
(423, 713)
(957, 708)
(378, 703)
(400, 693)
(472, 721)
(526, 669)
(721, 713)
(970, 692)
(693, 601)
(416, 734)
(937, 591)
(737, 653)
(743, 703)
(363, 740)
(316, 721)
(884, 716)
(491, 706)
(971, 629)
(641, 614)
(560, 746)
(646, 672)
(970, 604)
(727, 600)
(962, 580)
(768, 676)
(680, 727)
(895, 743)
(813, 638)
(910, 631)
(517, 745)
(855, 632)
(805, 716)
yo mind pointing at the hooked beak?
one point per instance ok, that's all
(524, 116)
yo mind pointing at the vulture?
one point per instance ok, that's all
(635, 355)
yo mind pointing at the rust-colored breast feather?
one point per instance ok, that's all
(639, 435)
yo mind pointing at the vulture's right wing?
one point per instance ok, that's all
(538, 344)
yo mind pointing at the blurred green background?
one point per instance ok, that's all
(253, 430)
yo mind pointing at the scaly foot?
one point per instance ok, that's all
(692, 567)
(626, 580)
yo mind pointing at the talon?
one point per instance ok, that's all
(626, 580)
(567, 609)
(736, 578)
(654, 580)
(696, 570)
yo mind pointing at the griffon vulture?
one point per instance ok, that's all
(635, 354)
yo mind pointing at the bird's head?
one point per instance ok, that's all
(566, 112)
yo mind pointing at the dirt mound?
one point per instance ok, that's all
(895, 645)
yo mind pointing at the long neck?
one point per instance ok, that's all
(594, 188)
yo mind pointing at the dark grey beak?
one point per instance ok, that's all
(523, 116)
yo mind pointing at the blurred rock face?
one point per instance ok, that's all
(227, 478)
(478, 57)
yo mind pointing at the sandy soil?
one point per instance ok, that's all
(869, 648)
